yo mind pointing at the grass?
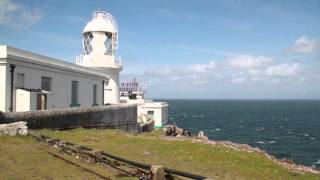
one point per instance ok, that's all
(216, 162)
(25, 158)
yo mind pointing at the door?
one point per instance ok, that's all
(41, 101)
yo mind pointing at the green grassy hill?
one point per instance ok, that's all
(25, 158)
(213, 161)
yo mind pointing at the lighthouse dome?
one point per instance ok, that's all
(101, 21)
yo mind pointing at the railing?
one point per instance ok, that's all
(79, 59)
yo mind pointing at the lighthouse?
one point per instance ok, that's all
(100, 43)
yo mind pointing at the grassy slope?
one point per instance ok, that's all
(23, 158)
(212, 161)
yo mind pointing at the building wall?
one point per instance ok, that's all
(3, 96)
(160, 113)
(115, 116)
(24, 98)
(60, 95)
(111, 91)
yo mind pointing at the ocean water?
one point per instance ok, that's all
(284, 128)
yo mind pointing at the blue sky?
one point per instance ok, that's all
(187, 49)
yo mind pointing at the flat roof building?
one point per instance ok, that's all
(30, 81)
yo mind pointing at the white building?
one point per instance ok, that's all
(133, 92)
(30, 81)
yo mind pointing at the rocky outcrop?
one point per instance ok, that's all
(17, 128)
(171, 130)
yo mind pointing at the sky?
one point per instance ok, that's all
(195, 49)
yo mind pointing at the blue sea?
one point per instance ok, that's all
(284, 128)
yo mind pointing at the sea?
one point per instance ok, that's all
(283, 128)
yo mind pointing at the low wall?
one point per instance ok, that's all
(115, 116)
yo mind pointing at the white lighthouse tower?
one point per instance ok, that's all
(100, 42)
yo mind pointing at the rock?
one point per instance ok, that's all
(23, 131)
(171, 130)
(165, 128)
(202, 136)
(147, 126)
(287, 161)
(157, 172)
(143, 118)
(17, 128)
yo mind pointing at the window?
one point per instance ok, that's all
(87, 39)
(74, 93)
(108, 44)
(95, 95)
(20, 80)
(151, 114)
(46, 83)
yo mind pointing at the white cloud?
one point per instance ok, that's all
(254, 72)
(284, 70)
(201, 68)
(195, 74)
(16, 15)
(305, 45)
(237, 80)
(249, 61)
(190, 70)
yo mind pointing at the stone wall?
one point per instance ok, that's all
(114, 116)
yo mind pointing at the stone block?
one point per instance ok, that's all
(12, 129)
(157, 172)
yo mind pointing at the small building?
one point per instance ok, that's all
(133, 92)
(157, 111)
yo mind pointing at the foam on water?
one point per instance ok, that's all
(260, 142)
(271, 142)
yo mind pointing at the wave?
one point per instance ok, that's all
(260, 142)
(269, 142)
